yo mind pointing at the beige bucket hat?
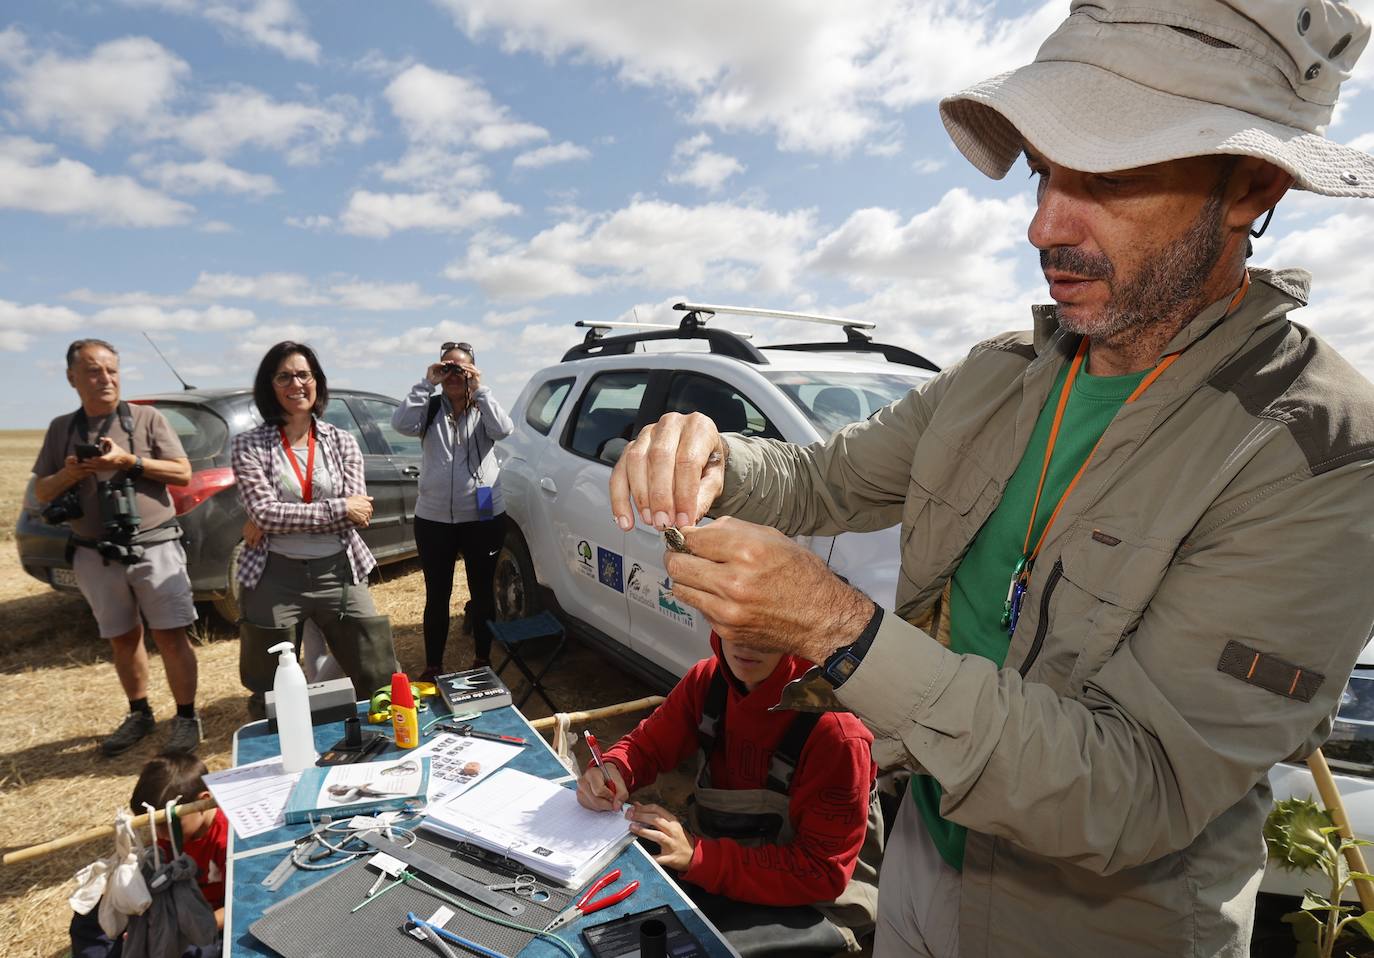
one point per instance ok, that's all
(1125, 83)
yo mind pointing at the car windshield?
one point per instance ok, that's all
(834, 399)
(201, 431)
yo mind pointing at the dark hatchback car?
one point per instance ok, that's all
(210, 512)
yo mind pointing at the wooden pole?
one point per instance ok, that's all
(101, 831)
(1331, 798)
(591, 715)
(105, 831)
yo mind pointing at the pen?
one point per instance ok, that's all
(598, 760)
(471, 732)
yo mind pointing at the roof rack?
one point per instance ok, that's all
(727, 343)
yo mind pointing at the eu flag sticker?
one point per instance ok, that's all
(610, 569)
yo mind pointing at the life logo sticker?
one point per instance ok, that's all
(583, 563)
(671, 608)
(639, 586)
(610, 569)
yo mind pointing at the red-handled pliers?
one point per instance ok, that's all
(585, 906)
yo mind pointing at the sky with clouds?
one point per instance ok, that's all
(375, 178)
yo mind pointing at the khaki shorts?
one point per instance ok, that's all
(157, 585)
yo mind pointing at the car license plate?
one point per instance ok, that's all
(63, 579)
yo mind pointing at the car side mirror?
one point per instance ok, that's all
(612, 450)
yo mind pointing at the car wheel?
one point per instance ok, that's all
(514, 589)
(227, 606)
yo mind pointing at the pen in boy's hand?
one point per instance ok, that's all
(599, 761)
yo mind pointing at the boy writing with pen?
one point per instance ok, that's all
(777, 847)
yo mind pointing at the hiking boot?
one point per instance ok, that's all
(431, 673)
(130, 732)
(185, 736)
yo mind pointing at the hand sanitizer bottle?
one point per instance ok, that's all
(294, 730)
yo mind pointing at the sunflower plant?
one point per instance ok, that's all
(1301, 836)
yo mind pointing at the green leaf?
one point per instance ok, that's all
(1305, 925)
(1365, 923)
(1311, 901)
(1355, 876)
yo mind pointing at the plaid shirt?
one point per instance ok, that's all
(256, 472)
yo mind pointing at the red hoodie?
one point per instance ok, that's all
(829, 796)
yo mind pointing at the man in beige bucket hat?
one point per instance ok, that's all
(1135, 539)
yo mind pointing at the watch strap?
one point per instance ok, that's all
(845, 660)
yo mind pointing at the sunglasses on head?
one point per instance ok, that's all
(465, 347)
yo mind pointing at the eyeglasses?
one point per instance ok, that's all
(465, 347)
(303, 376)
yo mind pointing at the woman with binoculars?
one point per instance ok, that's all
(459, 508)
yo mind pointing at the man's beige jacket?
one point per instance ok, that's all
(1191, 620)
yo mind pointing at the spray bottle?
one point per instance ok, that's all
(294, 731)
(403, 718)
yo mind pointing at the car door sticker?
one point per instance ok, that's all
(673, 609)
(639, 586)
(610, 569)
(584, 559)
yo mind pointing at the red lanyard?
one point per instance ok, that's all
(307, 481)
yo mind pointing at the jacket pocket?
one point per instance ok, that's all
(948, 497)
(1094, 597)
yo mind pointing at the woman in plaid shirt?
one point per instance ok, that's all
(301, 481)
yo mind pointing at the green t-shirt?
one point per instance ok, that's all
(980, 584)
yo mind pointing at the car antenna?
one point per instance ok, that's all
(184, 383)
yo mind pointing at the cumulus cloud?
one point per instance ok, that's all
(548, 155)
(648, 242)
(19, 322)
(65, 187)
(695, 165)
(209, 175)
(435, 168)
(245, 117)
(296, 289)
(125, 84)
(275, 24)
(381, 214)
(150, 317)
(819, 77)
(444, 109)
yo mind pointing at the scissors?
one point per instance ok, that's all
(585, 906)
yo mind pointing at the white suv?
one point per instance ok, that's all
(573, 419)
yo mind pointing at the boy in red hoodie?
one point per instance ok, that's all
(781, 809)
(203, 835)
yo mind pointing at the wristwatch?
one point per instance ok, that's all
(845, 660)
(136, 469)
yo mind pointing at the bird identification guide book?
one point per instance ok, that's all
(475, 690)
(534, 822)
(343, 790)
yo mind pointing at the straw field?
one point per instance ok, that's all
(61, 696)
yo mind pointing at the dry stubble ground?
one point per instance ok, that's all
(61, 694)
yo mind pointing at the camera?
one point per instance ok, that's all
(88, 450)
(64, 508)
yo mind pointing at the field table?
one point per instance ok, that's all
(250, 860)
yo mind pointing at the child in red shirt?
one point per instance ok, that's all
(204, 836)
(758, 832)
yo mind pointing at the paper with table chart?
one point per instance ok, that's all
(253, 796)
(534, 822)
(458, 762)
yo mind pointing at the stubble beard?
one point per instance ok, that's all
(1168, 290)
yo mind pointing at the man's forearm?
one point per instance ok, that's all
(48, 488)
(172, 472)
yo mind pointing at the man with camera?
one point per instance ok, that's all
(104, 471)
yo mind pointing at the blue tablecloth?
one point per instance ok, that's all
(249, 864)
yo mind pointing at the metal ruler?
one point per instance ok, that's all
(442, 873)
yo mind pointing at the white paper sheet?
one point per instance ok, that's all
(254, 795)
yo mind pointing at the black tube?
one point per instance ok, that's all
(653, 939)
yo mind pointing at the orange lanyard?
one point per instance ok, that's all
(1020, 575)
(1026, 551)
(306, 481)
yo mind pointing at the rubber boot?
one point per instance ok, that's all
(364, 648)
(257, 666)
